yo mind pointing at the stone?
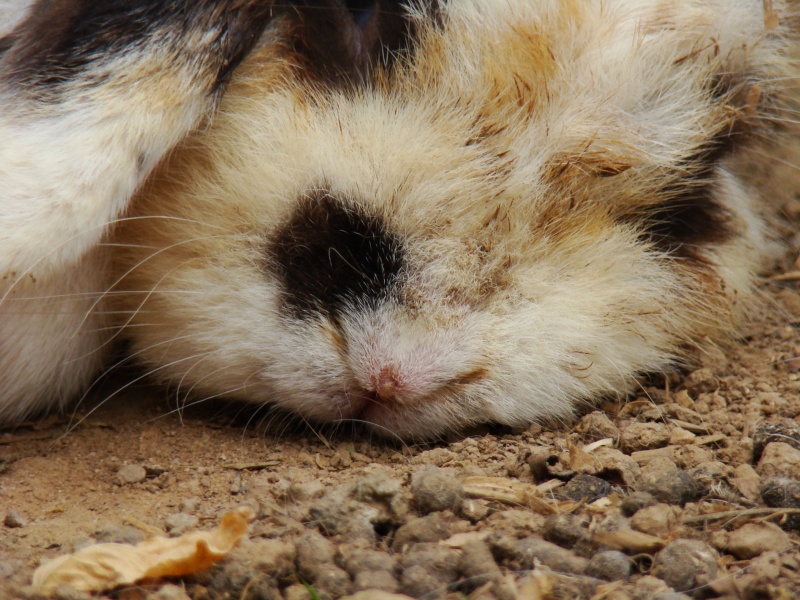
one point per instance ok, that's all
(686, 564)
(129, 474)
(644, 436)
(754, 539)
(435, 489)
(609, 566)
(657, 520)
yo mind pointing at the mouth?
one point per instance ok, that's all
(362, 405)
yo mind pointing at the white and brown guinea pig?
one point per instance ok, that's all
(427, 215)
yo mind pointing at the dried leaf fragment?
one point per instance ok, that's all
(107, 566)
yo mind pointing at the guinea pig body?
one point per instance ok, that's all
(480, 211)
(93, 95)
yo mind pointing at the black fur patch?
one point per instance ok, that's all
(62, 39)
(687, 221)
(333, 253)
(689, 216)
(342, 42)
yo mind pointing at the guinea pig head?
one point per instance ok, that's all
(502, 214)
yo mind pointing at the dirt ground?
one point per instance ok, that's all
(712, 458)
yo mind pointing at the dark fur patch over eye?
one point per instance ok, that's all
(332, 253)
(689, 216)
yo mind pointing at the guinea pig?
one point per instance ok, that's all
(425, 216)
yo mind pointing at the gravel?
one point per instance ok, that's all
(697, 496)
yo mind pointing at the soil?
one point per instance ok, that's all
(691, 489)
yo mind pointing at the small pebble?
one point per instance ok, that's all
(435, 489)
(566, 531)
(297, 591)
(782, 492)
(699, 381)
(120, 534)
(711, 473)
(753, 539)
(747, 482)
(779, 459)
(689, 456)
(686, 564)
(474, 510)
(431, 528)
(7, 567)
(609, 566)
(644, 436)
(657, 520)
(713, 358)
(427, 570)
(649, 587)
(375, 580)
(476, 565)
(584, 487)
(356, 560)
(179, 523)
(597, 426)
(14, 520)
(673, 487)
(313, 550)
(273, 558)
(315, 564)
(679, 436)
(636, 501)
(302, 492)
(355, 509)
(775, 430)
(128, 474)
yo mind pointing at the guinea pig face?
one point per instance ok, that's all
(501, 225)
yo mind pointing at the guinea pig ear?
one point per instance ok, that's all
(94, 95)
(343, 41)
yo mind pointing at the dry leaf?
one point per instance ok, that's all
(107, 566)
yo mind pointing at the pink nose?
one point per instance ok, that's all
(386, 382)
